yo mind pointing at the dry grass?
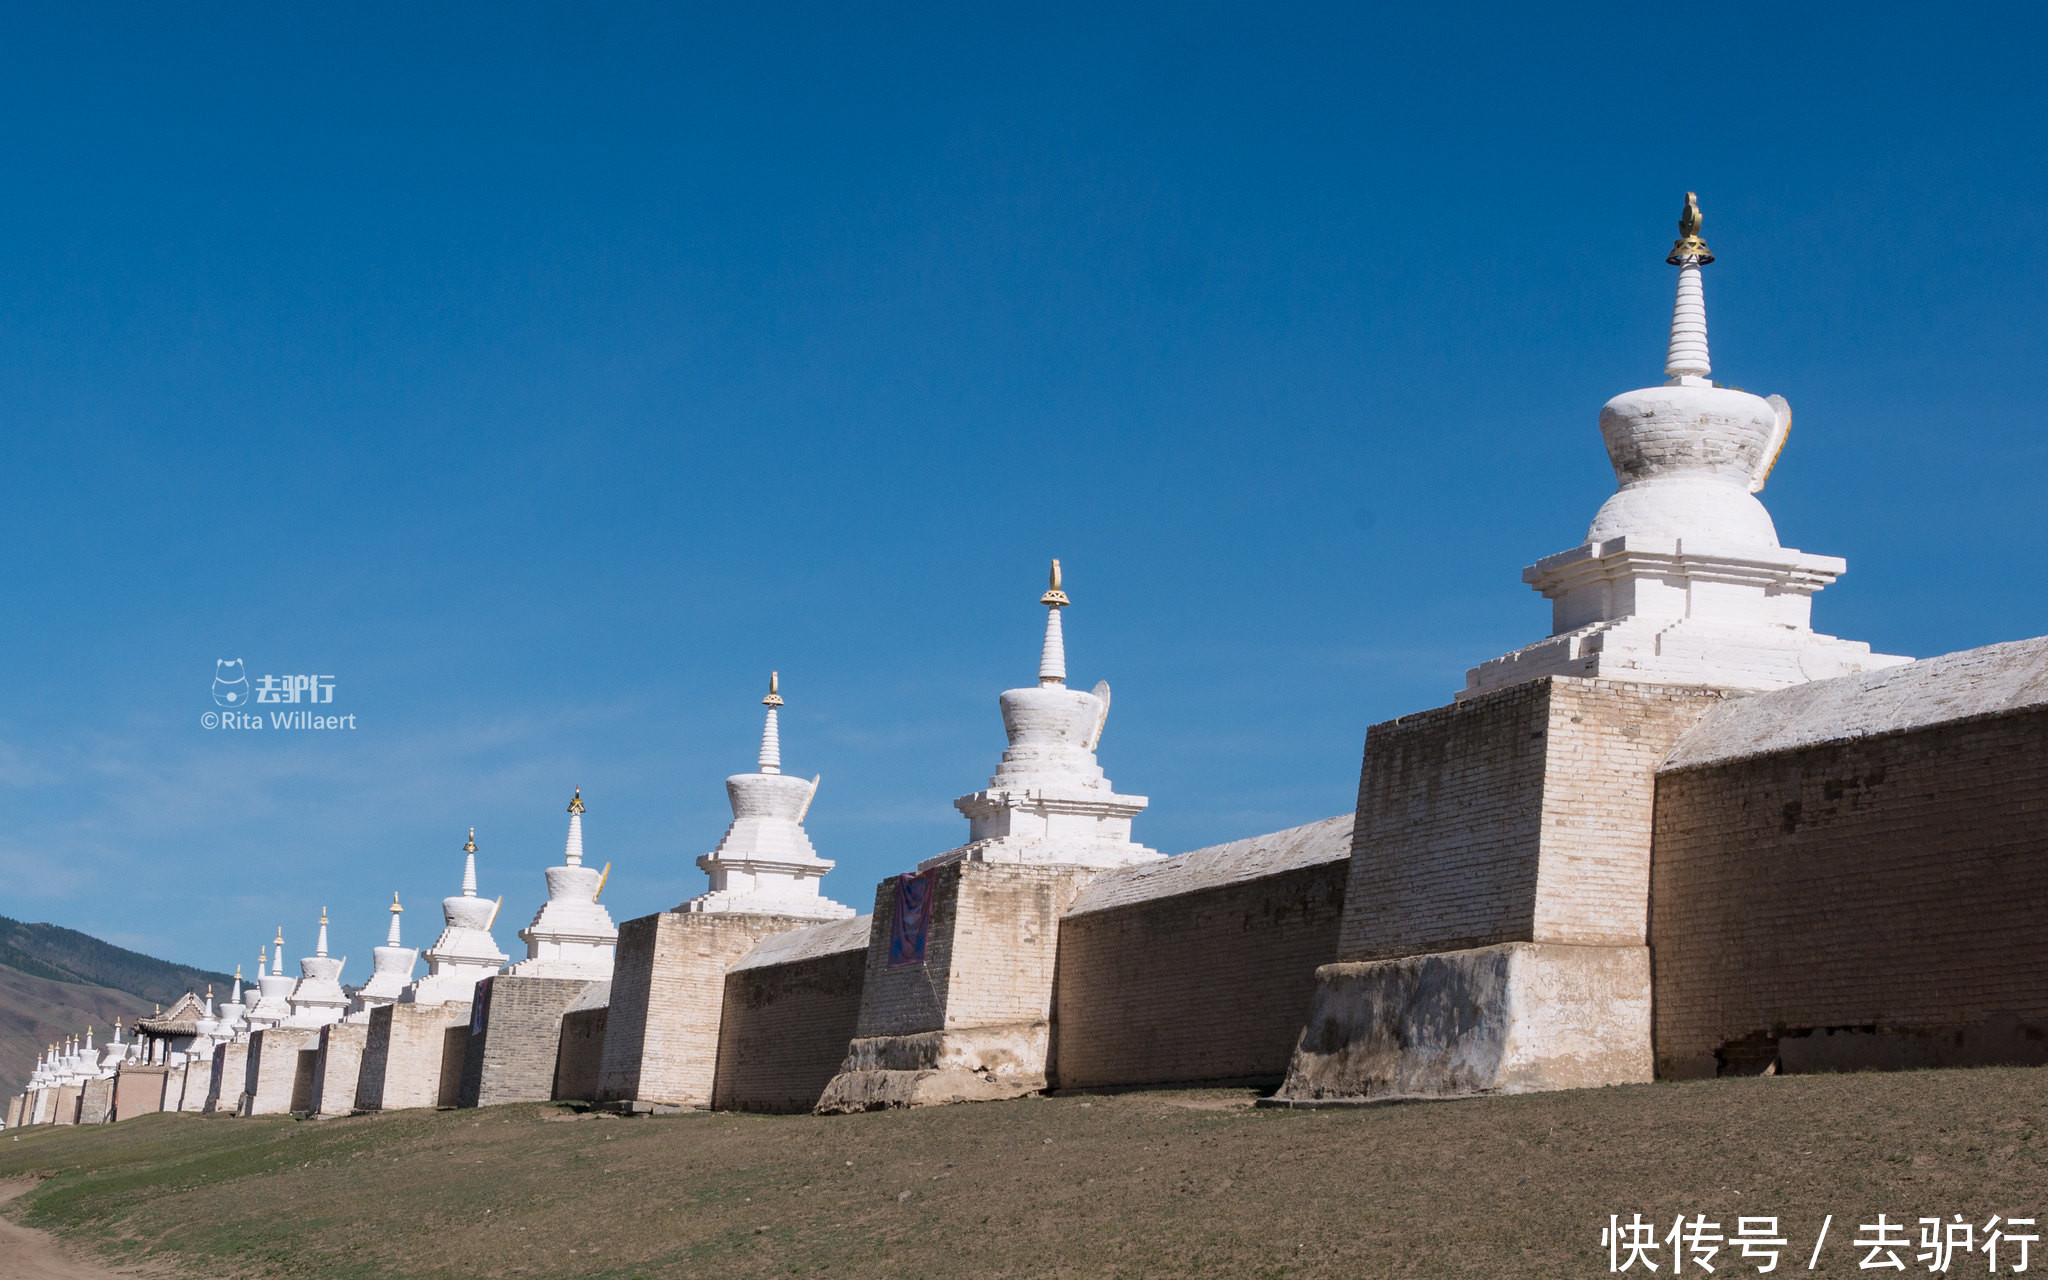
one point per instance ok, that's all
(1137, 1184)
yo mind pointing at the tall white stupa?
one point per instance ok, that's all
(572, 935)
(318, 998)
(766, 865)
(1049, 802)
(1681, 579)
(234, 1015)
(465, 953)
(273, 989)
(391, 967)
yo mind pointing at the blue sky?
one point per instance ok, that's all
(547, 374)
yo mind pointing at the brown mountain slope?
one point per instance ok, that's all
(37, 1011)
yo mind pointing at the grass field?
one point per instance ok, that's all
(1135, 1184)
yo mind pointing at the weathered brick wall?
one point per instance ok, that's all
(989, 956)
(668, 989)
(516, 1039)
(194, 1080)
(1200, 967)
(791, 1006)
(339, 1068)
(305, 1079)
(16, 1109)
(224, 1083)
(1868, 902)
(138, 1090)
(273, 1070)
(405, 1053)
(67, 1104)
(581, 1052)
(1522, 815)
(96, 1101)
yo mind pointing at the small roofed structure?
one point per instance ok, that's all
(169, 1035)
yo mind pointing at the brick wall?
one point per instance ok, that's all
(790, 1008)
(224, 1083)
(67, 1104)
(668, 989)
(1867, 902)
(581, 1052)
(194, 1079)
(273, 1070)
(96, 1102)
(1522, 815)
(339, 1068)
(138, 1090)
(515, 1039)
(1200, 967)
(405, 1052)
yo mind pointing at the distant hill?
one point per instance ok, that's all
(56, 981)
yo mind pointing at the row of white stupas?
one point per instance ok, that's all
(1680, 580)
(1048, 801)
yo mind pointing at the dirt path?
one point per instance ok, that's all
(28, 1254)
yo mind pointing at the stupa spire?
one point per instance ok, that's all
(320, 947)
(572, 853)
(277, 958)
(237, 997)
(1687, 355)
(1052, 659)
(771, 735)
(391, 939)
(469, 865)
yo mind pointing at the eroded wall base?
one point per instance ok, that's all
(971, 1064)
(1520, 1017)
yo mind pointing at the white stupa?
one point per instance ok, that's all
(572, 936)
(1681, 579)
(765, 865)
(273, 989)
(318, 998)
(1049, 802)
(234, 1015)
(115, 1052)
(465, 953)
(391, 967)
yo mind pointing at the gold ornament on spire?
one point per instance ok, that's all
(470, 845)
(1055, 597)
(576, 801)
(394, 902)
(1690, 249)
(280, 935)
(774, 698)
(323, 915)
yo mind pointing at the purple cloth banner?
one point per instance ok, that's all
(912, 923)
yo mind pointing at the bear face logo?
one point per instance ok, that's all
(230, 683)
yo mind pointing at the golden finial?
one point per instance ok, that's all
(575, 803)
(262, 958)
(394, 901)
(1055, 597)
(1690, 249)
(470, 847)
(209, 996)
(323, 915)
(238, 973)
(774, 698)
(280, 936)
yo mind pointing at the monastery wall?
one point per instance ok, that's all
(405, 1056)
(338, 1068)
(580, 1053)
(139, 1090)
(96, 1101)
(224, 1083)
(515, 1039)
(1199, 967)
(668, 989)
(791, 1006)
(273, 1069)
(67, 1103)
(17, 1108)
(1849, 874)
(192, 1082)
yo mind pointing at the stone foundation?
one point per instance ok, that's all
(406, 1058)
(1517, 817)
(515, 1039)
(338, 1068)
(973, 1021)
(1515, 1018)
(668, 989)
